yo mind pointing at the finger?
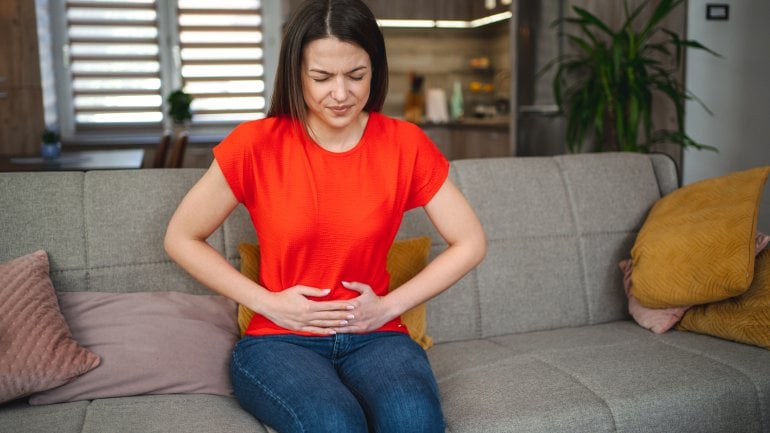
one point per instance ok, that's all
(312, 291)
(328, 324)
(332, 315)
(318, 330)
(358, 287)
(341, 306)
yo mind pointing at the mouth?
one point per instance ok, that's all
(339, 110)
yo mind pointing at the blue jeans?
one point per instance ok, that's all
(345, 383)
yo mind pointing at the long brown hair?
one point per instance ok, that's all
(347, 20)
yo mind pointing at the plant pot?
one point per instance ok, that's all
(50, 151)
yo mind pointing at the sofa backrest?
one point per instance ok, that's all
(557, 227)
(103, 230)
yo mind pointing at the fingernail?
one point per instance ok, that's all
(345, 283)
(351, 317)
(332, 332)
(343, 322)
(326, 291)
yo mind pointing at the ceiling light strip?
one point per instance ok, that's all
(445, 24)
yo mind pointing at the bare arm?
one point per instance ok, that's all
(200, 213)
(457, 223)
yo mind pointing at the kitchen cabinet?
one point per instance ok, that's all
(452, 10)
(471, 139)
(403, 9)
(427, 9)
(478, 8)
(480, 143)
(441, 136)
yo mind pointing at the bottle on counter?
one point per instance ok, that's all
(414, 105)
(456, 103)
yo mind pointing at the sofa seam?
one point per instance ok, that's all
(565, 236)
(86, 414)
(579, 238)
(758, 394)
(581, 383)
(224, 242)
(86, 239)
(479, 332)
(514, 354)
(138, 399)
(534, 356)
(127, 265)
(479, 312)
(451, 376)
(657, 178)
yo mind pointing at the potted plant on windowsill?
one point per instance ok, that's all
(50, 147)
(179, 108)
(606, 87)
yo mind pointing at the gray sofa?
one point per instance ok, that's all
(536, 339)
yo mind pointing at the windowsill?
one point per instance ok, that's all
(136, 140)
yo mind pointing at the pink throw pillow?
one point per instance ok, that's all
(657, 320)
(37, 351)
(660, 320)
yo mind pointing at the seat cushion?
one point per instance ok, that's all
(19, 417)
(609, 377)
(188, 413)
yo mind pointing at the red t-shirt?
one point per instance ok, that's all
(323, 217)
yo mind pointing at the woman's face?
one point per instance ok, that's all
(336, 79)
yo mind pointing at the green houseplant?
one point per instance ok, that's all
(179, 106)
(606, 87)
(50, 144)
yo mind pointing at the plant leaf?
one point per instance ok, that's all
(590, 19)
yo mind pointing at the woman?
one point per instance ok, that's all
(326, 180)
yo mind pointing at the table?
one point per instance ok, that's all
(83, 160)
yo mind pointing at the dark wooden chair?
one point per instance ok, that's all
(161, 152)
(177, 152)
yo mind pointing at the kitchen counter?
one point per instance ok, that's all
(500, 122)
(472, 137)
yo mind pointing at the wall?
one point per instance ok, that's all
(734, 88)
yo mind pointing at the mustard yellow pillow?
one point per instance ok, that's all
(745, 318)
(697, 244)
(249, 268)
(406, 258)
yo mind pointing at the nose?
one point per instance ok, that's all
(339, 91)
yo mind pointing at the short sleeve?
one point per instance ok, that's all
(429, 172)
(234, 156)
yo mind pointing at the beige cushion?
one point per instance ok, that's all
(37, 351)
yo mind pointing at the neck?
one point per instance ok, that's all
(338, 139)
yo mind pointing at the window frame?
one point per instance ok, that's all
(170, 76)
